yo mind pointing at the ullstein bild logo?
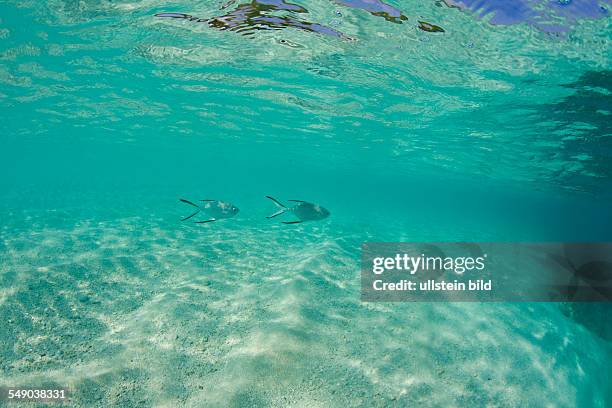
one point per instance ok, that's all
(486, 272)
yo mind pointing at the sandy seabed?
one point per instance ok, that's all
(141, 312)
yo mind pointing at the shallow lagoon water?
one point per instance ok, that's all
(486, 132)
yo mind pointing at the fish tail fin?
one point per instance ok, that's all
(280, 206)
(192, 204)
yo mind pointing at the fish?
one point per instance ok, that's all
(303, 210)
(214, 209)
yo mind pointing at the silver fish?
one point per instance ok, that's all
(303, 210)
(214, 209)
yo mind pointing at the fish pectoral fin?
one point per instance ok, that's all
(205, 221)
(292, 222)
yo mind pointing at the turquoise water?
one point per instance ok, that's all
(109, 115)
